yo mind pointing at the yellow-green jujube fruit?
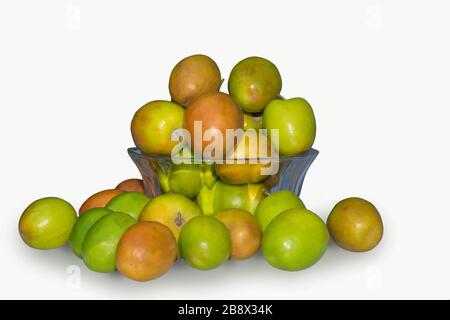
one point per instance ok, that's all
(254, 82)
(296, 124)
(153, 124)
(46, 223)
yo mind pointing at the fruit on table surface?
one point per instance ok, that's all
(294, 118)
(193, 76)
(171, 209)
(252, 122)
(250, 171)
(98, 200)
(216, 112)
(146, 251)
(254, 82)
(225, 196)
(100, 243)
(245, 232)
(355, 224)
(205, 243)
(129, 202)
(295, 240)
(153, 124)
(131, 185)
(46, 223)
(82, 226)
(186, 179)
(274, 204)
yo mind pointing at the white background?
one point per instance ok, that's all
(377, 73)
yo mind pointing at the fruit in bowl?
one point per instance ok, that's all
(253, 83)
(225, 196)
(193, 76)
(202, 210)
(252, 121)
(252, 161)
(294, 119)
(186, 179)
(153, 124)
(207, 119)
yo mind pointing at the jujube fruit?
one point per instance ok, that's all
(146, 251)
(193, 76)
(355, 224)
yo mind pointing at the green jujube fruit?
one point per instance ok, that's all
(100, 244)
(224, 196)
(82, 226)
(186, 179)
(274, 204)
(296, 239)
(205, 242)
(129, 202)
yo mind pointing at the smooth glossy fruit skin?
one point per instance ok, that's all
(248, 172)
(186, 179)
(100, 243)
(131, 185)
(254, 82)
(245, 232)
(274, 204)
(82, 226)
(193, 76)
(98, 200)
(171, 209)
(252, 122)
(46, 223)
(217, 112)
(296, 239)
(294, 118)
(153, 124)
(225, 196)
(205, 243)
(129, 202)
(146, 251)
(355, 224)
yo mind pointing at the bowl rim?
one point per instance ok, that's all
(136, 152)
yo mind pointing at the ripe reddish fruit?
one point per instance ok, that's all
(217, 112)
(245, 232)
(146, 251)
(98, 200)
(131, 185)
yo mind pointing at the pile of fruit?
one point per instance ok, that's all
(208, 212)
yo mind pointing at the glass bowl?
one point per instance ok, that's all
(290, 176)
